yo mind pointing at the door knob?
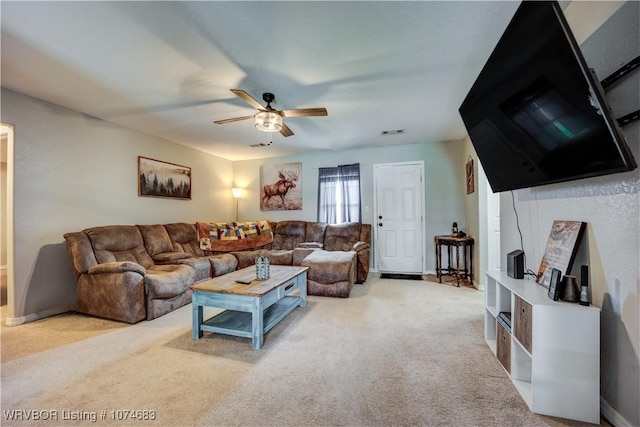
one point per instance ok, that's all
(380, 217)
(379, 224)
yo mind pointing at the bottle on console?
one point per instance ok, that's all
(584, 285)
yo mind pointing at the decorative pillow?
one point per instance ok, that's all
(205, 244)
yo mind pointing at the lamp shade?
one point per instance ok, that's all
(238, 193)
(267, 121)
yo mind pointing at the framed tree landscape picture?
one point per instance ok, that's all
(560, 251)
(163, 179)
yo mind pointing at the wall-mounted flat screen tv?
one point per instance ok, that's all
(536, 114)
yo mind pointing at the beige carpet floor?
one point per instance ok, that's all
(396, 353)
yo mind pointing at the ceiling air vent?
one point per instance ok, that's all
(261, 144)
(392, 132)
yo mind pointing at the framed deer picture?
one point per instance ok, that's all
(281, 187)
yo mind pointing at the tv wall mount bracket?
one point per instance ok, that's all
(614, 77)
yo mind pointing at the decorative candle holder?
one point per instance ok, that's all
(570, 292)
(262, 268)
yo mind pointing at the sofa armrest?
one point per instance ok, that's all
(168, 257)
(117, 267)
(361, 246)
(310, 245)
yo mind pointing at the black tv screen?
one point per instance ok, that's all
(536, 114)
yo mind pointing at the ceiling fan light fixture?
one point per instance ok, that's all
(267, 121)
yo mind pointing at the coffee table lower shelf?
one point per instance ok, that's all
(239, 323)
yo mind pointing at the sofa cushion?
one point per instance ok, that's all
(156, 239)
(289, 234)
(171, 257)
(330, 267)
(184, 238)
(167, 281)
(119, 243)
(222, 264)
(248, 258)
(315, 231)
(280, 257)
(341, 237)
(201, 267)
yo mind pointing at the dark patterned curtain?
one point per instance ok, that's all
(327, 186)
(339, 194)
(349, 179)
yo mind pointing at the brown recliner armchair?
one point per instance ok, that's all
(117, 279)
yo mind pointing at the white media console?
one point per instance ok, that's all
(552, 353)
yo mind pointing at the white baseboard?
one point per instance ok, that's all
(16, 321)
(610, 414)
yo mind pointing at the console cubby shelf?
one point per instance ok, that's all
(553, 353)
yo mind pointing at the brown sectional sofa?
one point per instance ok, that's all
(134, 272)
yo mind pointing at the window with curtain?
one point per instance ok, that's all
(339, 194)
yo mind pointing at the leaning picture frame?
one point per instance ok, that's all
(163, 179)
(561, 248)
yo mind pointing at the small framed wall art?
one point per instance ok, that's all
(163, 179)
(470, 176)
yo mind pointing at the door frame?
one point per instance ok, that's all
(8, 218)
(423, 221)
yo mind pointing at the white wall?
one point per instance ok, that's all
(73, 171)
(3, 201)
(444, 184)
(611, 207)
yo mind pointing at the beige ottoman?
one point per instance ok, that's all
(331, 273)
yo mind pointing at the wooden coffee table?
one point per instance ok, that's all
(253, 309)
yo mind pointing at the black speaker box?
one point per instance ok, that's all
(515, 264)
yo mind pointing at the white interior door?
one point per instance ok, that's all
(399, 224)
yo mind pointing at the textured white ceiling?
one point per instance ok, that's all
(165, 68)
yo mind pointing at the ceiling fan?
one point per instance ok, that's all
(269, 119)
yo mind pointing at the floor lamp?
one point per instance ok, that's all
(237, 194)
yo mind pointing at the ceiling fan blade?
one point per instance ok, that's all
(235, 119)
(285, 131)
(248, 98)
(304, 112)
